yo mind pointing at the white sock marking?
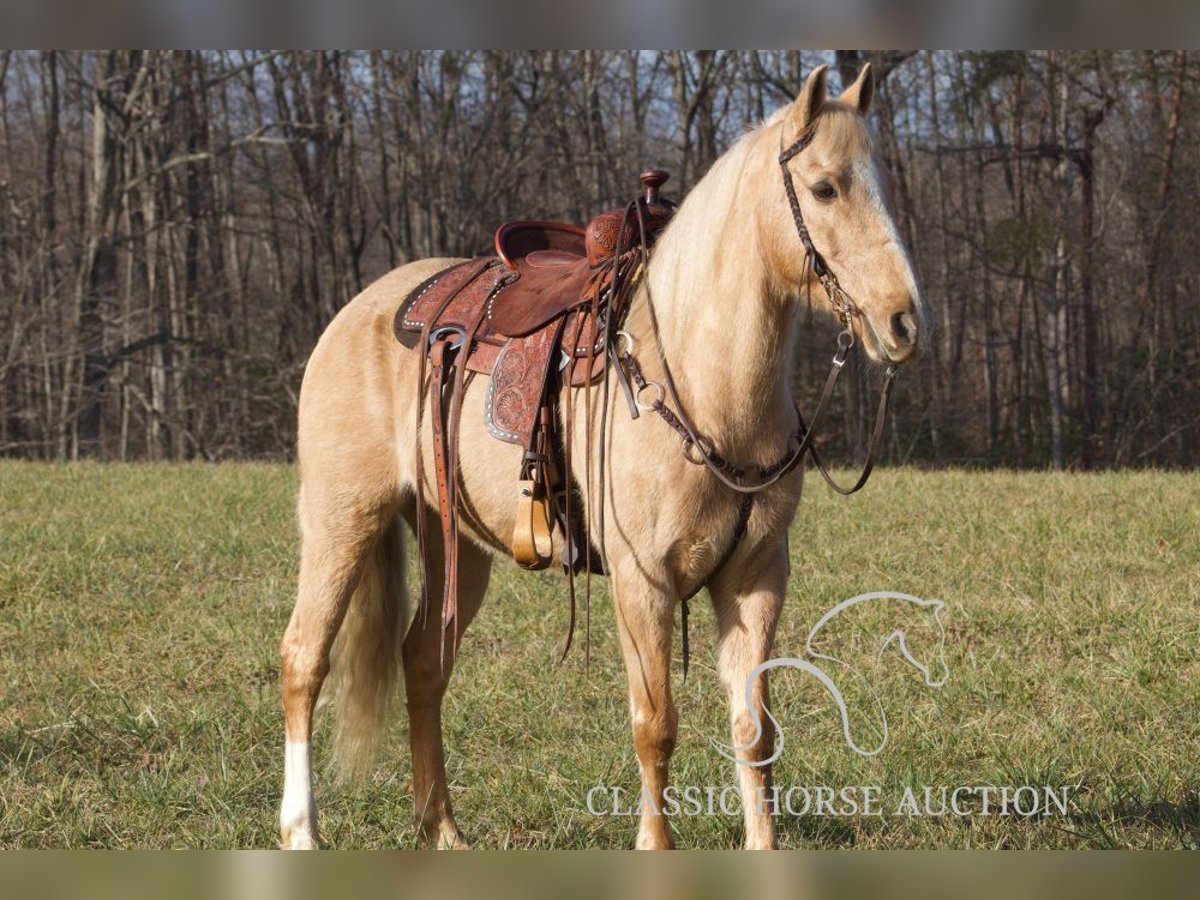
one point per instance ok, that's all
(298, 811)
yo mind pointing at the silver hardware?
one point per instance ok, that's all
(637, 398)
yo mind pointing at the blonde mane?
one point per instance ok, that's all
(710, 220)
(708, 269)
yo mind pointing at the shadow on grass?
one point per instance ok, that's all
(1180, 818)
(812, 831)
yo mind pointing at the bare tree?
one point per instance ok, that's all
(177, 228)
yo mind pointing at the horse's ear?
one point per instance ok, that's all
(811, 98)
(859, 95)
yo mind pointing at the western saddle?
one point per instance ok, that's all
(541, 314)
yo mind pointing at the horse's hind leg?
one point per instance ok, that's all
(428, 660)
(334, 544)
(747, 603)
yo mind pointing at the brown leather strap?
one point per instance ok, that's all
(448, 470)
(422, 354)
(873, 445)
(576, 538)
(745, 508)
(728, 474)
(440, 357)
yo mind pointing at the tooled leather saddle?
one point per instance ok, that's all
(541, 314)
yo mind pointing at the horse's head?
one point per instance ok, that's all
(844, 209)
(921, 638)
(924, 645)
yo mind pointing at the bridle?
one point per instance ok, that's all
(749, 481)
(696, 448)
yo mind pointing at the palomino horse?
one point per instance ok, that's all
(725, 282)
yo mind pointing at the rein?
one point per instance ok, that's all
(696, 448)
(749, 481)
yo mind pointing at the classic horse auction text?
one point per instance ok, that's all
(855, 800)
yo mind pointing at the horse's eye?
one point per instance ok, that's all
(824, 191)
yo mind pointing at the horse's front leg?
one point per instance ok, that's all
(747, 601)
(645, 623)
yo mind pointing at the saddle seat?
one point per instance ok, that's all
(539, 315)
(550, 259)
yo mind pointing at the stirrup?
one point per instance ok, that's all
(532, 541)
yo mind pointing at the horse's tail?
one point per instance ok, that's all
(365, 662)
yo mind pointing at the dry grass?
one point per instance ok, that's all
(141, 606)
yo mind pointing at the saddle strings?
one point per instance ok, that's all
(568, 431)
(422, 536)
(614, 294)
(611, 310)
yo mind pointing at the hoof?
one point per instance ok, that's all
(298, 839)
(453, 842)
(444, 837)
(654, 842)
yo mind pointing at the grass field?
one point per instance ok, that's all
(141, 608)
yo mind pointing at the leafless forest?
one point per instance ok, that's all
(177, 228)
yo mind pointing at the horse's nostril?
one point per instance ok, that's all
(904, 328)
